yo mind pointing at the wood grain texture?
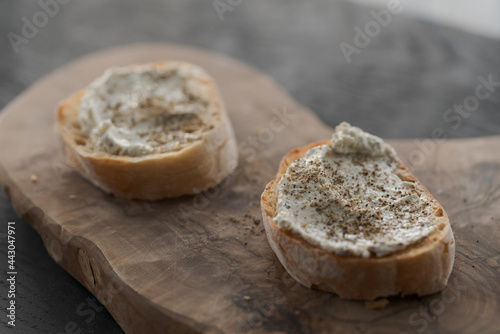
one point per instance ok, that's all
(185, 265)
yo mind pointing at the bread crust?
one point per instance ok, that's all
(422, 268)
(197, 167)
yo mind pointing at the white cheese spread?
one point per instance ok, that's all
(139, 110)
(347, 199)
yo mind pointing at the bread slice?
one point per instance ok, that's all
(170, 170)
(420, 268)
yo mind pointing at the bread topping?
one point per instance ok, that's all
(348, 198)
(140, 110)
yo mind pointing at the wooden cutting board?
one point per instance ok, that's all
(185, 265)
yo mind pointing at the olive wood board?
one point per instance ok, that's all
(202, 264)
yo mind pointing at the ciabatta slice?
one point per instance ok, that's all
(421, 267)
(150, 131)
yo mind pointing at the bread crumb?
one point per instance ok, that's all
(376, 304)
(297, 312)
(72, 196)
(257, 221)
(34, 178)
(439, 191)
(247, 298)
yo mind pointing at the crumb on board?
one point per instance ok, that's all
(376, 304)
(34, 178)
(234, 220)
(296, 312)
(256, 221)
(247, 298)
(72, 196)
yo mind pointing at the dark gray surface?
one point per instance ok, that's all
(399, 86)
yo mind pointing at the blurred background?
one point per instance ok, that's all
(398, 69)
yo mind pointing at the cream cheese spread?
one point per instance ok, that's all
(347, 198)
(140, 110)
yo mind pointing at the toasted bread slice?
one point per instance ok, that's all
(169, 170)
(420, 268)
